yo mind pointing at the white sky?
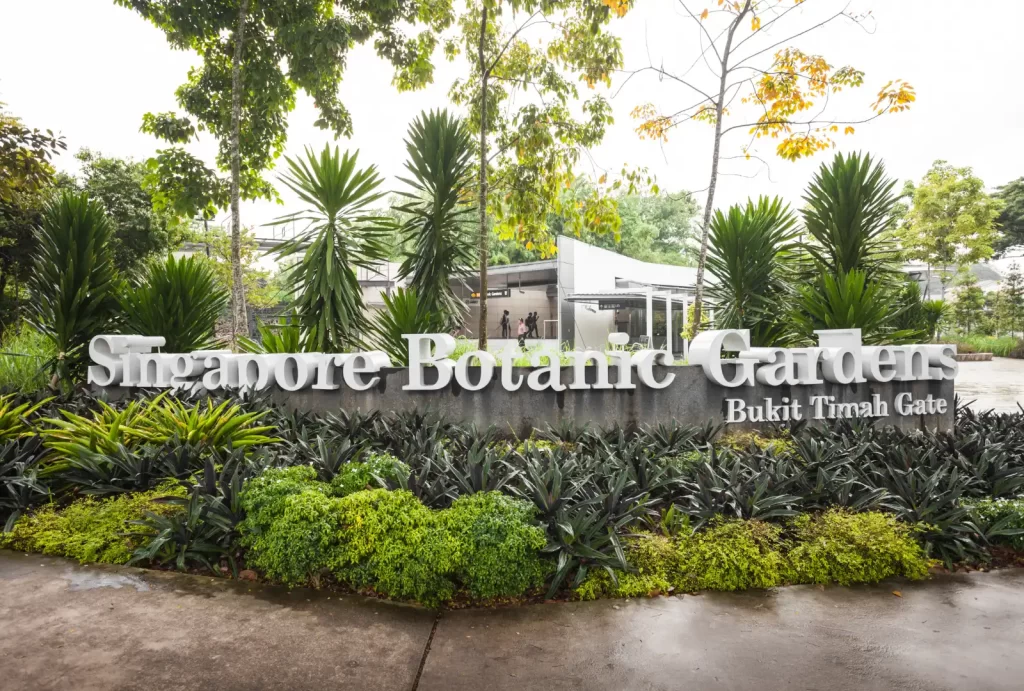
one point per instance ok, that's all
(90, 69)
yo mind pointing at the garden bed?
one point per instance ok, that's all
(973, 357)
(417, 509)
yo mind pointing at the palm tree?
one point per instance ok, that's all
(747, 253)
(439, 209)
(341, 235)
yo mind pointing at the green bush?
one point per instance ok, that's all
(733, 555)
(360, 475)
(89, 530)
(988, 512)
(392, 543)
(842, 547)
(656, 563)
(500, 544)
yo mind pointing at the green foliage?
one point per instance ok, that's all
(1011, 218)
(177, 299)
(341, 237)
(969, 307)
(733, 555)
(850, 300)
(1000, 346)
(845, 548)
(655, 228)
(102, 431)
(284, 337)
(261, 288)
(848, 209)
(404, 313)
(1006, 513)
(500, 544)
(15, 418)
(73, 283)
(89, 530)
(655, 565)
(747, 254)
(439, 245)
(139, 232)
(356, 476)
(21, 370)
(951, 220)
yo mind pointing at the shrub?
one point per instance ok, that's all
(500, 544)
(360, 475)
(392, 543)
(179, 299)
(842, 547)
(1010, 512)
(224, 426)
(89, 530)
(779, 445)
(733, 555)
(263, 497)
(101, 432)
(656, 569)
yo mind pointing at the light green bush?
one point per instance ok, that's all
(90, 530)
(22, 371)
(843, 547)
(733, 555)
(500, 544)
(656, 564)
(360, 475)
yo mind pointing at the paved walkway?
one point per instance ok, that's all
(66, 626)
(995, 385)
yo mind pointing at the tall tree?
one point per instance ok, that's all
(139, 230)
(1011, 218)
(1011, 300)
(525, 59)
(951, 222)
(766, 86)
(256, 54)
(969, 307)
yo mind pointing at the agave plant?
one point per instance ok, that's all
(73, 284)
(748, 249)
(848, 209)
(340, 237)
(403, 313)
(179, 299)
(438, 209)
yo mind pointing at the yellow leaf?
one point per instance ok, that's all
(848, 130)
(897, 593)
(755, 23)
(603, 179)
(704, 14)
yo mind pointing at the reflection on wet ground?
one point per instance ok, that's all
(996, 385)
(84, 579)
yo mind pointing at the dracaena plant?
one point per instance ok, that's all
(340, 236)
(404, 313)
(439, 210)
(179, 299)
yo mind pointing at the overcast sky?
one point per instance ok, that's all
(90, 69)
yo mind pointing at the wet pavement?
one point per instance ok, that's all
(68, 626)
(995, 385)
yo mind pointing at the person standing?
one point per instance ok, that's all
(533, 333)
(506, 325)
(521, 333)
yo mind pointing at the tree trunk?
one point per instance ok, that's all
(482, 185)
(239, 319)
(698, 298)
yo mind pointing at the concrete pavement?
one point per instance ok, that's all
(994, 385)
(68, 626)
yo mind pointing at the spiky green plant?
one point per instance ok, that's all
(73, 284)
(439, 207)
(748, 248)
(850, 301)
(224, 426)
(341, 235)
(403, 313)
(14, 419)
(284, 337)
(848, 208)
(179, 299)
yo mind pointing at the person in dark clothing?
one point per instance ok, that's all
(506, 325)
(533, 326)
(529, 324)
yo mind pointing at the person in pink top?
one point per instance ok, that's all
(521, 332)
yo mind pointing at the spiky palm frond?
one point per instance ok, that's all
(848, 208)
(748, 247)
(440, 209)
(403, 313)
(178, 299)
(73, 283)
(341, 235)
(849, 301)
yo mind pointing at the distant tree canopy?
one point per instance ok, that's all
(1011, 218)
(117, 183)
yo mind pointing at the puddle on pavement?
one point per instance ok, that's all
(86, 579)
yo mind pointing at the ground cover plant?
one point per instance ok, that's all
(419, 509)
